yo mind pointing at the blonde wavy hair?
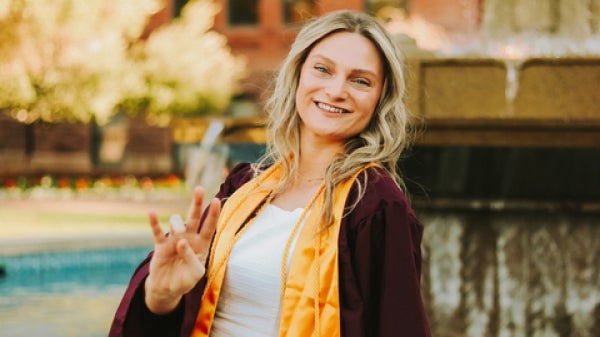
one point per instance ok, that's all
(384, 138)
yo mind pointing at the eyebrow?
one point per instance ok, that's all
(354, 71)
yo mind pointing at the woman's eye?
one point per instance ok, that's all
(321, 69)
(362, 81)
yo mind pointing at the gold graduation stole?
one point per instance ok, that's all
(314, 269)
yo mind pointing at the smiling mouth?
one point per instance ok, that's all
(331, 108)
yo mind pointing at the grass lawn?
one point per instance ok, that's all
(32, 218)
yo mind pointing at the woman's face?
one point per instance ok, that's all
(339, 87)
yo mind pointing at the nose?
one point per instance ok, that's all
(336, 88)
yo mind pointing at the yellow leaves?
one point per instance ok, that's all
(72, 59)
(65, 58)
(189, 67)
(15, 83)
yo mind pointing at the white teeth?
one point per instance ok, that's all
(331, 108)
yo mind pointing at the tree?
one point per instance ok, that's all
(189, 69)
(71, 60)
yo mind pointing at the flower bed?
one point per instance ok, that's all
(127, 187)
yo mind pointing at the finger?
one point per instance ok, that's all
(157, 233)
(195, 211)
(210, 223)
(187, 254)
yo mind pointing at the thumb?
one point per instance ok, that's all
(186, 253)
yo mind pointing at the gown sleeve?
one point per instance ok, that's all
(380, 264)
(132, 317)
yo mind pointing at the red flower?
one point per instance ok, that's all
(173, 180)
(63, 182)
(81, 184)
(9, 183)
(146, 183)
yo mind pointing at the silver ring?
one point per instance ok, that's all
(177, 223)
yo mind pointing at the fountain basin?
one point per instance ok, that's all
(465, 101)
(69, 293)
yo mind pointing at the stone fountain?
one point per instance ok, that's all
(509, 267)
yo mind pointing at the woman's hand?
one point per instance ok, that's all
(179, 258)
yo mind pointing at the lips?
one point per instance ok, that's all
(331, 108)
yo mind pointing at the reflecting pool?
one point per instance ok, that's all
(64, 294)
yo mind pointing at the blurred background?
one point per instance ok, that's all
(109, 109)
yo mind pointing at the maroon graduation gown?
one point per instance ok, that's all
(379, 271)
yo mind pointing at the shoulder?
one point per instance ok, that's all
(380, 191)
(382, 201)
(237, 176)
(381, 214)
(241, 173)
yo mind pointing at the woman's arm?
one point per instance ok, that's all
(133, 318)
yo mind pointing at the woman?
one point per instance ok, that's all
(317, 238)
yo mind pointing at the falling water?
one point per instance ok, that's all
(512, 84)
(513, 57)
(207, 160)
(512, 275)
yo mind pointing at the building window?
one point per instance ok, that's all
(297, 11)
(243, 12)
(384, 9)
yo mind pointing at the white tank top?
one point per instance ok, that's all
(249, 303)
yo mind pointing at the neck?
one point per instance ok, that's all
(314, 160)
